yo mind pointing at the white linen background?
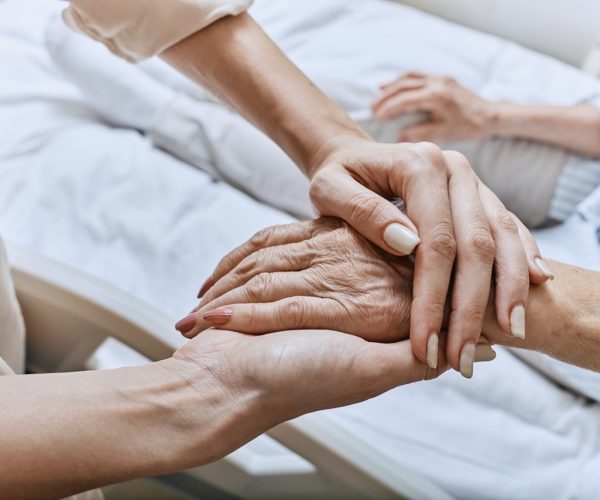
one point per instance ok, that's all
(105, 201)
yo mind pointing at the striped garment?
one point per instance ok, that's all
(578, 180)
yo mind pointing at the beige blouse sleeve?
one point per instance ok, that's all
(138, 29)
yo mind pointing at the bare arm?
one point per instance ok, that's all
(576, 128)
(287, 106)
(563, 318)
(457, 113)
(66, 433)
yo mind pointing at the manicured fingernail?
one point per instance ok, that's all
(401, 239)
(432, 351)
(517, 322)
(186, 323)
(484, 352)
(205, 286)
(544, 268)
(219, 316)
(467, 357)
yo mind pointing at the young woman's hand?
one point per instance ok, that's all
(462, 227)
(296, 372)
(455, 113)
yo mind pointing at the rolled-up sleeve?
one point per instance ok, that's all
(138, 29)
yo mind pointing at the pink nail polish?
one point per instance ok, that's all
(205, 286)
(186, 323)
(219, 316)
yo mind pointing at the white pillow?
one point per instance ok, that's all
(565, 29)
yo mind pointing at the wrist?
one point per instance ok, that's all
(333, 147)
(548, 314)
(494, 114)
(216, 413)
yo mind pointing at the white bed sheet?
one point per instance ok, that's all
(107, 202)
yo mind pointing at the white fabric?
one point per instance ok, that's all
(138, 29)
(105, 201)
(524, 174)
(565, 29)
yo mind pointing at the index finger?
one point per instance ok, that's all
(268, 237)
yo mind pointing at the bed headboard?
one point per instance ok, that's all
(566, 29)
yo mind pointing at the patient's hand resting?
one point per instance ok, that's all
(315, 274)
(455, 113)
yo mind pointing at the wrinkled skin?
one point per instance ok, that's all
(455, 112)
(316, 274)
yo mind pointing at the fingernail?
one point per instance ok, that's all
(219, 316)
(484, 352)
(401, 239)
(467, 357)
(186, 323)
(543, 267)
(205, 286)
(432, 351)
(517, 322)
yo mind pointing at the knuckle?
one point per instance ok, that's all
(471, 315)
(319, 189)
(249, 264)
(293, 312)
(506, 222)
(255, 318)
(261, 239)
(439, 91)
(481, 245)
(458, 162)
(443, 242)
(364, 208)
(256, 287)
(429, 151)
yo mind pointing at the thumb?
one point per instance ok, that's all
(335, 193)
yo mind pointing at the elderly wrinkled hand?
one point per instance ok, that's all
(455, 112)
(315, 274)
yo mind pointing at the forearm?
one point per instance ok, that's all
(238, 62)
(576, 128)
(563, 318)
(66, 433)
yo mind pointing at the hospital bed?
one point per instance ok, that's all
(118, 261)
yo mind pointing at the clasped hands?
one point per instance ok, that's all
(350, 273)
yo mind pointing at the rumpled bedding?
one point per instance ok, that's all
(101, 196)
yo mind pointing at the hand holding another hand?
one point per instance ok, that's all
(462, 227)
(317, 274)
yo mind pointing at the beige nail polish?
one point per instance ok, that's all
(517, 322)
(432, 351)
(467, 357)
(544, 268)
(483, 353)
(401, 239)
